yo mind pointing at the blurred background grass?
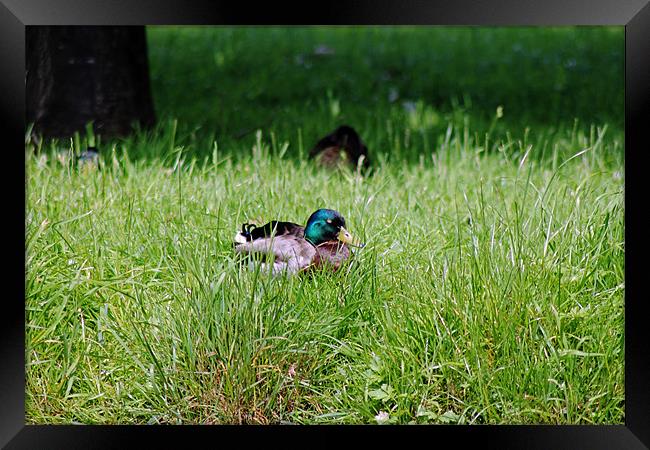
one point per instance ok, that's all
(223, 83)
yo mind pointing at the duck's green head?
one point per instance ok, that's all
(328, 225)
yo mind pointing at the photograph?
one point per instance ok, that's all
(325, 225)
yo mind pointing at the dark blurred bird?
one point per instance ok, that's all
(89, 157)
(341, 147)
(323, 242)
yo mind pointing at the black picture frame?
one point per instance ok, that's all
(15, 15)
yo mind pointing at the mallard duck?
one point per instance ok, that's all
(323, 242)
(342, 146)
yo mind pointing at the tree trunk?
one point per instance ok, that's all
(81, 74)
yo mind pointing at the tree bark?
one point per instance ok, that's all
(81, 74)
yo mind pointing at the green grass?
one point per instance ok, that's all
(490, 289)
(224, 83)
(137, 311)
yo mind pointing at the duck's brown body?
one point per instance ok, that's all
(290, 251)
(331, 254)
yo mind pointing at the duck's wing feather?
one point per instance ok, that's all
(277, 228)
(251, 232)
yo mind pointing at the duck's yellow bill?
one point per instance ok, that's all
(346, 237)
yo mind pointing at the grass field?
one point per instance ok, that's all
(491, 286)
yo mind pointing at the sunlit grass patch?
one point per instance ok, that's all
(490, 289)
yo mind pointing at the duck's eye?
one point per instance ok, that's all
(329, 221)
